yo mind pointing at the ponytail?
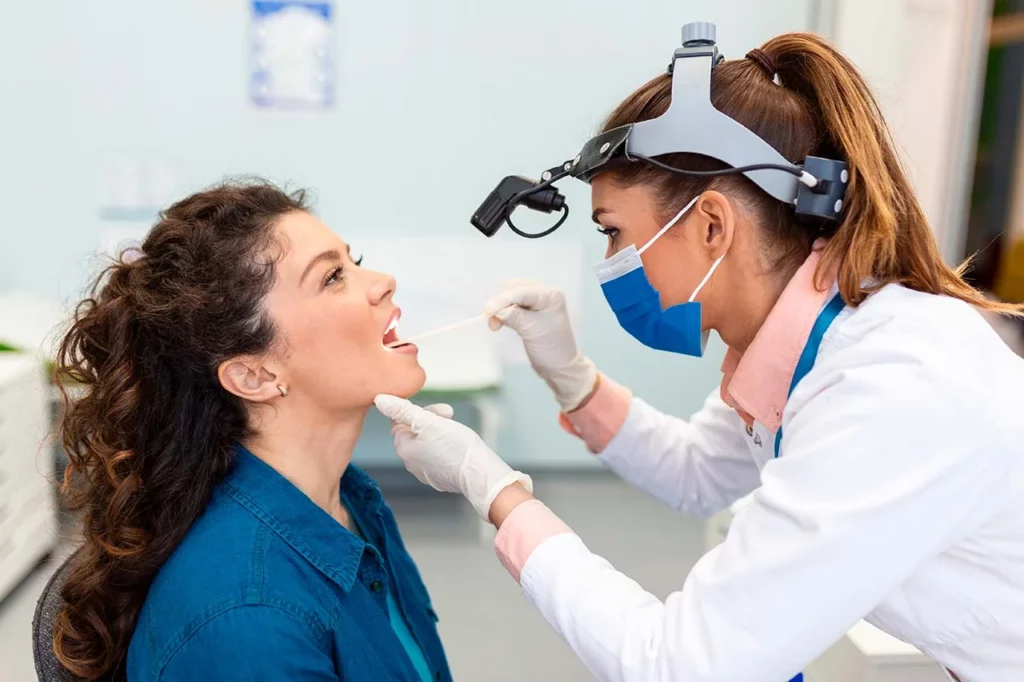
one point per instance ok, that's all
(884, 236)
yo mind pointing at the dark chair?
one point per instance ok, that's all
(48, 668)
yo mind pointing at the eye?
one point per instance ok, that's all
(611, 232)
(334, 276)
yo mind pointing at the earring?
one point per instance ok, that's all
(283, 389)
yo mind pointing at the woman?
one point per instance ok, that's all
(225, 371)
(870, 409)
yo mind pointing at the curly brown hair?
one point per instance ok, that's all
(148, 429)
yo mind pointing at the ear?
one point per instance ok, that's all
(249, 379)
(717, 221)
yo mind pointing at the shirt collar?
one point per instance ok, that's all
(297, 520)
(756, 383)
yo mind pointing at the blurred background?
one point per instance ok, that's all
(401, 117)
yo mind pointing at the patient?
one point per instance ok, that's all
(226, 368)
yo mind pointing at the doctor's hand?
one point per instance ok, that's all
(538, 314)
(447, 455)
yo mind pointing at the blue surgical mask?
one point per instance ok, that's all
(637, 304)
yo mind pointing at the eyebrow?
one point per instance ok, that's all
(597, 212)
(329, 254)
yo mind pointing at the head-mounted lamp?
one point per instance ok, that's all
(691, 124)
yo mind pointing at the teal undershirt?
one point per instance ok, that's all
(398, 624)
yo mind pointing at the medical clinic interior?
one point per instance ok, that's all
(249, 247)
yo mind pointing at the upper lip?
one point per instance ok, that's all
(395, 315)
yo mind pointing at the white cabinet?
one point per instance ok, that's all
(28, 518)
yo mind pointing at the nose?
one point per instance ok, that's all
(382, 288)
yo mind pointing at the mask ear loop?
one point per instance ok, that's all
(704, 281)
(667, 226)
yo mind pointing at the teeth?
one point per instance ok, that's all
(391, 326)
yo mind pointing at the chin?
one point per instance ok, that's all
(408, 383)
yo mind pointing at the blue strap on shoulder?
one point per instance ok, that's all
(810, 353)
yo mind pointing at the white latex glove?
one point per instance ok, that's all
(538, 314)
(446, 455)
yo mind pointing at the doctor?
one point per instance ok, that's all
(877, 419)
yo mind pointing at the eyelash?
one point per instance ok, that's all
(609, 232)
(335, 272)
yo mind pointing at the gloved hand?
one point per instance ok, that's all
(538, 314)
(447, 455)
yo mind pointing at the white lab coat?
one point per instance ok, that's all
(898, 497)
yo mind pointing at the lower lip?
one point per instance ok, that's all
(407, 349)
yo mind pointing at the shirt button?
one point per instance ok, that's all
(437, 676)
(750, 430)
(376, 586)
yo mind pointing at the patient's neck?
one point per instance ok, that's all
(311, 448)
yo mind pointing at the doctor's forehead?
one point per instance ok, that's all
(608, 196)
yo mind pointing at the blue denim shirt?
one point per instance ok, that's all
(267, 586)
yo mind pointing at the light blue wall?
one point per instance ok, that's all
(436, 101)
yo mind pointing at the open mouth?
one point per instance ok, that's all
(390, 332)
(390, 339)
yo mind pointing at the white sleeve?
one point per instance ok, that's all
(698, 467)
(880, 470)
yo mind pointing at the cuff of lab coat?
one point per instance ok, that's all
(523, 531)
(600, 419)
